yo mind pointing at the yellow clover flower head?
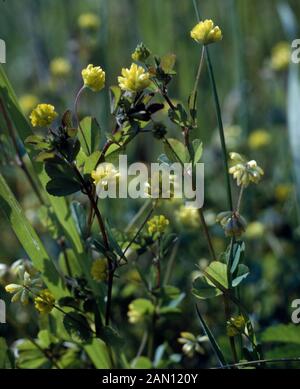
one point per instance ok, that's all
(244, 171)
(259, 139)
(43, 115)
(44, 302)
(206, 32)
(283, 191)
(187, 217)
(105, 176)
(89, 21)
(255, 230)
(99, 269)
(93, 77)
(60, 67)
(236, 325)
(281, 55)
(134, 79)
(28, 102)
(158, 224)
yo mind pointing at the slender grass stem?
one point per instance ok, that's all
(77, 117)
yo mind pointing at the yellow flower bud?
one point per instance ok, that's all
(43, 115)
(93, 77)
(99, 269)
(44, 302)
(134, 79)
(13, 288)
(206, 32)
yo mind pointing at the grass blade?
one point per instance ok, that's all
(213, 342)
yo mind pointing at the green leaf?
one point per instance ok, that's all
(141, 363)
(218, 271)
(175, 150)
(6, 360)
(92, 134)
(114, 94)
(202, 290)
(198, 150)
(77, 326)
(285, 333)
(29, 239)
(91, 162)
(99, 354)
(242, 273)
(62, 187)
(79, 216)
(68, 301)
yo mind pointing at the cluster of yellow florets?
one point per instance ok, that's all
(281, 56)
(244, 171)
(158, 224)
(235, 326)
(99, 269)
(44, 302)
(134, 79)
(206, 32)
(43, 115)
(89, 21)
(93, 77)
(60, 67)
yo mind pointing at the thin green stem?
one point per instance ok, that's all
(258, 362)
(77, 117)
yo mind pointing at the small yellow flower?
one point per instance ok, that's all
(206, 32)
(99, 269)
(105, 176)
(44, 302)
(158, 224)
(93, 77)
(27, 103)
(134, 79)
(245, 172)
(282, 192)
(255, 230)
(188, 217)
(236, 325)
(281, 54)
(89, 21)
(258, 139)
(60, 67)
(43, 115)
